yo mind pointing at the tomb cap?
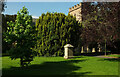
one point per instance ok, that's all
(68, 45)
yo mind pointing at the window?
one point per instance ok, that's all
(74, 14)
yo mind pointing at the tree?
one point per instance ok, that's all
(5, 19)
(55, 30)
(101, 22)
(21, 34)
(2, 5)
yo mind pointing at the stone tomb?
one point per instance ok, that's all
(93, 50)
(68, 51)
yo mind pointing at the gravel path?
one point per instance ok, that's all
(102, 56)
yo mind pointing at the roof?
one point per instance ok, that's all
(68, 45)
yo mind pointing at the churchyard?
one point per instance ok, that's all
(68, 65)
(79, 65)
(57, 44)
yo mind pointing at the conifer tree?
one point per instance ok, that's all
(56, 30)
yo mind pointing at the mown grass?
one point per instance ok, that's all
(114, 55)
(80, 65)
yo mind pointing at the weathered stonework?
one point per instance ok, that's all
(76, 11)
(68, 53)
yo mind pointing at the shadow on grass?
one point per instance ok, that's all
(93, 54)
(117, 60)
(78, 57)
(47, 69)
(111, 59)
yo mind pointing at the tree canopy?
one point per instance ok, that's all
(55, 30)
(101, 22)
(21, 34)
(2, 5)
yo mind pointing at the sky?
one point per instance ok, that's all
(37, 8)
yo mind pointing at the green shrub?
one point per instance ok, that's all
(55, 30)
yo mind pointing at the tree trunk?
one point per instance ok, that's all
(105, 47)
(21, 62)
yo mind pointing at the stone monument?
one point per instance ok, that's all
(93, 50)
(68, 51)
(82, 51)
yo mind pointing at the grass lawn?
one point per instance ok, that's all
(114, 55)
(80, 65)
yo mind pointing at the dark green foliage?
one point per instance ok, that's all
(2, 5)
(21, 34)
(55, 30)
(101, 23)
(5, 19)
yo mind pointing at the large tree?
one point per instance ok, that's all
(56, 30)
(5, 19)
(21, 34)
(2, 5)
(101, 22)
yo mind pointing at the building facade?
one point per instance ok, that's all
(76, 11)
